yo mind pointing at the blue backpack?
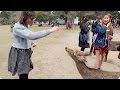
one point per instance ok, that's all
(83, 37)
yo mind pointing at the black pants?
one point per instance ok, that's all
(82, 49)
(91, 48)
(23, 76)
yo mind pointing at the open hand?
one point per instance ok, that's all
(33, 44)
(55, 28)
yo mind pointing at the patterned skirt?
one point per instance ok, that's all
(19, 61)
(102, 50)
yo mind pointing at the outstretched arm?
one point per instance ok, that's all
(25, 33)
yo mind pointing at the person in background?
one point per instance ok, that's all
(19, 59)
(12, 25)
(109, 33)
(94, 24)
(83, 35)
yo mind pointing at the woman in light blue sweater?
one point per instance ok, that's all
(19, 60)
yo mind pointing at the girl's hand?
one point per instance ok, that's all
(33, 44)
(55, 28)
(110, 37)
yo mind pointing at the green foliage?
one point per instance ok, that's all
(42, 16)
(6, 17)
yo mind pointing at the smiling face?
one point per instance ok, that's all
(106, 19)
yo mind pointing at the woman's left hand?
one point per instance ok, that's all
(33, 44)
(55, 28)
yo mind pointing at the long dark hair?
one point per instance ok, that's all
(25, 15)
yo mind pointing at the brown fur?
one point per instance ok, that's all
(86, 72)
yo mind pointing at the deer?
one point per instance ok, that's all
(86, 72)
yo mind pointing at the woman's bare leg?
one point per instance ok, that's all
(100, 62)
(96, 65)
(105, 57)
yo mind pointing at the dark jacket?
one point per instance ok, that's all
(83, 35)
(94, 27)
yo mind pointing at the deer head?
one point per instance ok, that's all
(77, 55)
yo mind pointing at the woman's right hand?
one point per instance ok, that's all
(55, 28)
(109, 25)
